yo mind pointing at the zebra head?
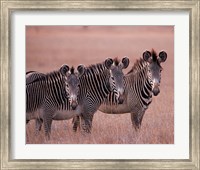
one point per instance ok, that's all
(154, 68)
(117, 78)
(72, 83)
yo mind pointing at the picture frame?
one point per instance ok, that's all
(7, 7)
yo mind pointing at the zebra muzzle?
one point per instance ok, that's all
(156, 90)
(121, 99)
(74, 105)
(121, 95)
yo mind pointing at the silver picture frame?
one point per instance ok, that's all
(193, 7)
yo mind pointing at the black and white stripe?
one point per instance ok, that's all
(46, 94)
(141, 82)
(98, 81)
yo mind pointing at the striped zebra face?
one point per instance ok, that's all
(72, 84)
(154, 68)
(117, 78)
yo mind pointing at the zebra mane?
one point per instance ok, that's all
(116, 61)
(53, 73)
(72, 70)
(99, 67)
(30, 72)
(43, 77)
(155, 56)
(40, 77)
(48, 75)
(140, 63)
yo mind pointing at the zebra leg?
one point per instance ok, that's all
(27, 137)
(86, 122)
(38, 125)
(76, 123)
(47, 125)
(135, 121)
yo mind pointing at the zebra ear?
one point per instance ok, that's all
(162, 56)
(125, 62)
(64, 69)
(108, 63)
(81, 69)
(147, 56)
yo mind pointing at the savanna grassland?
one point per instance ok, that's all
(49, 47)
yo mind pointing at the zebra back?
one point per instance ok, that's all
(43, 87)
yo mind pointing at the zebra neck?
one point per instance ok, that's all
(147, 90)
(95, 83)
(146, 85)
(139, 80)
(56, 84)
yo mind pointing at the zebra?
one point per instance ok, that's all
(96, 83)
(141, 82)
(93, 91)
(48, 95)
(33, 75)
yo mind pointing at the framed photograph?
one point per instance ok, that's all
(43, 36)
(69, 44)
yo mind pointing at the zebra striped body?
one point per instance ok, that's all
(93, 90)
(32, 76)
(47, 96)
(140, 84)
(138, 95)
(95, 84)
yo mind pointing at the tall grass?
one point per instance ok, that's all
(157, 128)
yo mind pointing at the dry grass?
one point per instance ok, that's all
(86, 45)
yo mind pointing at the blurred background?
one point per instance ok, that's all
(49, 47)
